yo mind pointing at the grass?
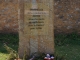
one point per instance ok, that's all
(66, 45)
(11, 40)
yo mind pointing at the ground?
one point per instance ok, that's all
(65, 45)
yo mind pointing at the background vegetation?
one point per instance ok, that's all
(66, 45)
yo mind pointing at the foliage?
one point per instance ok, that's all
(69, 46)
(37, 56)
(12, 53)
(25, 57)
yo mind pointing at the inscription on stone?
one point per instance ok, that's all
(36, 17)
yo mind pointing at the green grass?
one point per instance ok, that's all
(66, 45)
(11, 40)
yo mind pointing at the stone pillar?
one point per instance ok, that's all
(36, 27)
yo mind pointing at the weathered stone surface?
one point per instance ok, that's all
(66, 16)
(8, 16)
(36, 26)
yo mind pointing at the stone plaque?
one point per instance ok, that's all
(36, 17)
(36, 26)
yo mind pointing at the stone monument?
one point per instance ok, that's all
(36, 26)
